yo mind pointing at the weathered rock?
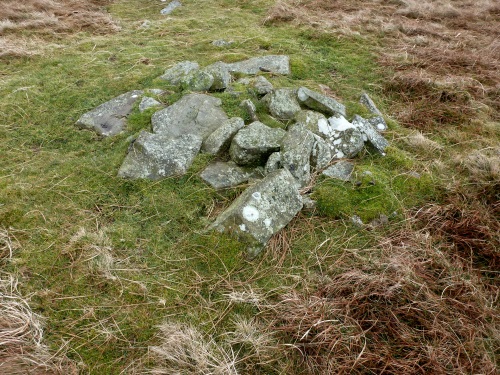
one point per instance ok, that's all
(220, 139)
(250, 108)
(346, 139)
(254, 143)
(309, 204)
(274, 63)
(369, 104)
(154, 156)
(222, 77)
(313, 121)
(148, 102)
(193, 114)
(321, 154)
(378, 123)
(109, 118)
(197, 80)
(262, 210)
(175, 74)
(282, 103)
(295, 151)
(262, 86)
(341, 170)
(273, 163)
(173, 5)
(372, 135)
(221, 175)
(155, 91)
(320, 102)
(222, 43)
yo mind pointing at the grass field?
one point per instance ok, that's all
(102, 275)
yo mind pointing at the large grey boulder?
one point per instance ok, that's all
(153, 156)
(320, 102)
(175, 74)
(262, 210)
(222, 175)
(282, 103)
(254, 143)
(198, 114)
(197, 80)
(109, 118)
(340, 171)
(371, 133)
(220, 140)
(221, 75)
(296, 148)
(274, 64)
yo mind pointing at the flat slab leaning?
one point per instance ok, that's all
(279, 64)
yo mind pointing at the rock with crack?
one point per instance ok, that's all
(222, 175)
(197, 80)
(320, 102)
(221, 75)
(262, 210)
(148, 102)
(340, 171)
(253, 144)
(273, 64)
(109, 118)
(282, 103)
(197, 114)
(371, 133)
(175, 74)
(154, 156)
(296, 148)
(219, 141)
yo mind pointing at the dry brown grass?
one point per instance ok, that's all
(44, 18)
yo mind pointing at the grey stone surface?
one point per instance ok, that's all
(198, 114)
(320, 102)
(173, 5)
(154, 91)
(273, 163)
(312, 120)
(345, 139)
(273, 63)
(262, 210)
(148, 102)
(309, 204)
(321, 154)
(378, 123)
(175, 74)
(220, 139)
(197, 80)
(153, 156)
(222, 175)
(372, 135)
(250, 108)
(222, 43)
(282, 103)
(340, 171)
(222, 77)
(369, 104)
(109, 118)
(254, 143)
(296, 148)
(262, 86)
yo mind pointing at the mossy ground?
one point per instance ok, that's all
(105, 259)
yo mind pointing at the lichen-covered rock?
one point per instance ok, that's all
(220, 140)
(254, 143)
(222, 175)
(153, 156)
(345, 139)
(296, 148)
(378, 121)
(250, 108)
(197, 80)
(340, 171)
(262, 210)
(221, 75)
(109, 118)
(148, 102)
(175, 74)
(282, 103)
(262, 86)
(273, 163)
(372, 135)
(173, 5)
(198, 114)
(320, 102)
(313, 121)
(321, 154)
(273, 63)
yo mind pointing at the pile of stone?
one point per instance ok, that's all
(277, 162)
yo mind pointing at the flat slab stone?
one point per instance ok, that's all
(378, 121)
(109, 118)
(371, 133)
(222, 175)
(282, 103)
(262, 210)
(220, 140)
(320, 102)
(340, 171)
(254, 143)
(279, 64)
(154, 156)
(197, 114)
(296, 148)
(175, 74)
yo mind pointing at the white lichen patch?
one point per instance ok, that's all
(257, 196)
(267, 222)
(250, 214)
(339, 123)
(243, 227)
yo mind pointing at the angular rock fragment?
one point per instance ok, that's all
(295, 151)
(109, 118)
(173, 5)
(273, 163)
(313, 121)
(321, 154)
(345, 139)
(198, 114)
(378, 121)
(220, 140)
(273, 63)
(282, 103)
(148, 102)
(175, 74)
(197, 80)
(250, 108)
(221, 75)
(221, 175)
(153, 156)
(262, 86)
(262, 210)
(254, 143)
(320, 102)
(372, 135)
(340, 171)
